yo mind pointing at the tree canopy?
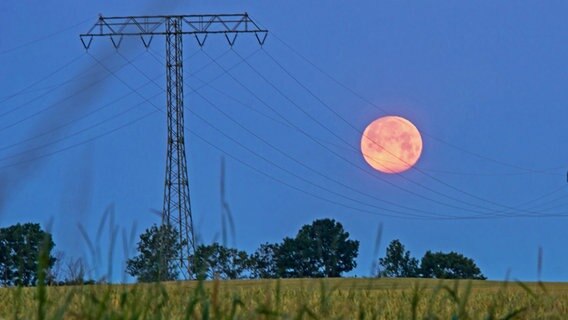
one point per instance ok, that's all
(158, 249)
(23, 247)
(398, 262)
(451, 265)
(263, 261)
(321, 249)
(217, 261)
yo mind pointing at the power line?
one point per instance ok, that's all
(254, 168)
(9, 146)
(53, 104)
(459, 190)
(37, 98)
(338, 155)
(209, 82)
(104, 134)
(369, 102)
(79, 143)
(45, 37)
(241, 57)
(89, 113)
(490, 212)
(92, 126)
(133, 91)
(277, 89)
(325, 199)
(285, 154)
(323, 141)
(334, 202)
(335, 193)
(328, 107)
(129, 62)
(433, 215)
(260, 112)
(57, 70)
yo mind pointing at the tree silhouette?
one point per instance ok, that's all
(263, 261)
(449, 266)
(398, 262)
(321, 249)
(217, 261)
(158, 248)
(22, 247)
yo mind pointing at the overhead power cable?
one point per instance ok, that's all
(196, 91)
(491, 212)
(133, 91)
(305, 180)
(45, 37)
(106, 105)
(153, 112)
(329, 108)
(92, 126)
(337, 203)
(332, 132)
(30, 116)
(49, 75)
(75, 145)
(369, 102)
(281, 181)
(217, 90)
(296, 188)
(277, 149)
(278, 121)
(72, 121)
(129, 62)
(419, 195)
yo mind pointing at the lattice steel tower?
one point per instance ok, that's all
(177, 205)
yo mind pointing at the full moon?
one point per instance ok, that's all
(391, 144)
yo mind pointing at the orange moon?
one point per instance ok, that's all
(391, 144)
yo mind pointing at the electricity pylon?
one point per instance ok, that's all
(177, 208)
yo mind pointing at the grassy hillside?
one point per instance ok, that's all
(292, 299)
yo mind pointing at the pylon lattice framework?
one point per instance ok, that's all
(177, 205)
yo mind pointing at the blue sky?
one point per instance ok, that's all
(484, 82)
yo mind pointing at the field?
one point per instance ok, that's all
(292, 299)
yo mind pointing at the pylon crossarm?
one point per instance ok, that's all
(148, 26)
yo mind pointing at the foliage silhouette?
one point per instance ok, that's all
(398, 263)
(215, 261)
(20, 248)
(449, 266)
(321, 249)
(158, 249)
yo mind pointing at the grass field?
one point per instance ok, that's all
(292, 299)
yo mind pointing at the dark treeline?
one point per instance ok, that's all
(26, 255)
(398, 263)
(321, 249)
